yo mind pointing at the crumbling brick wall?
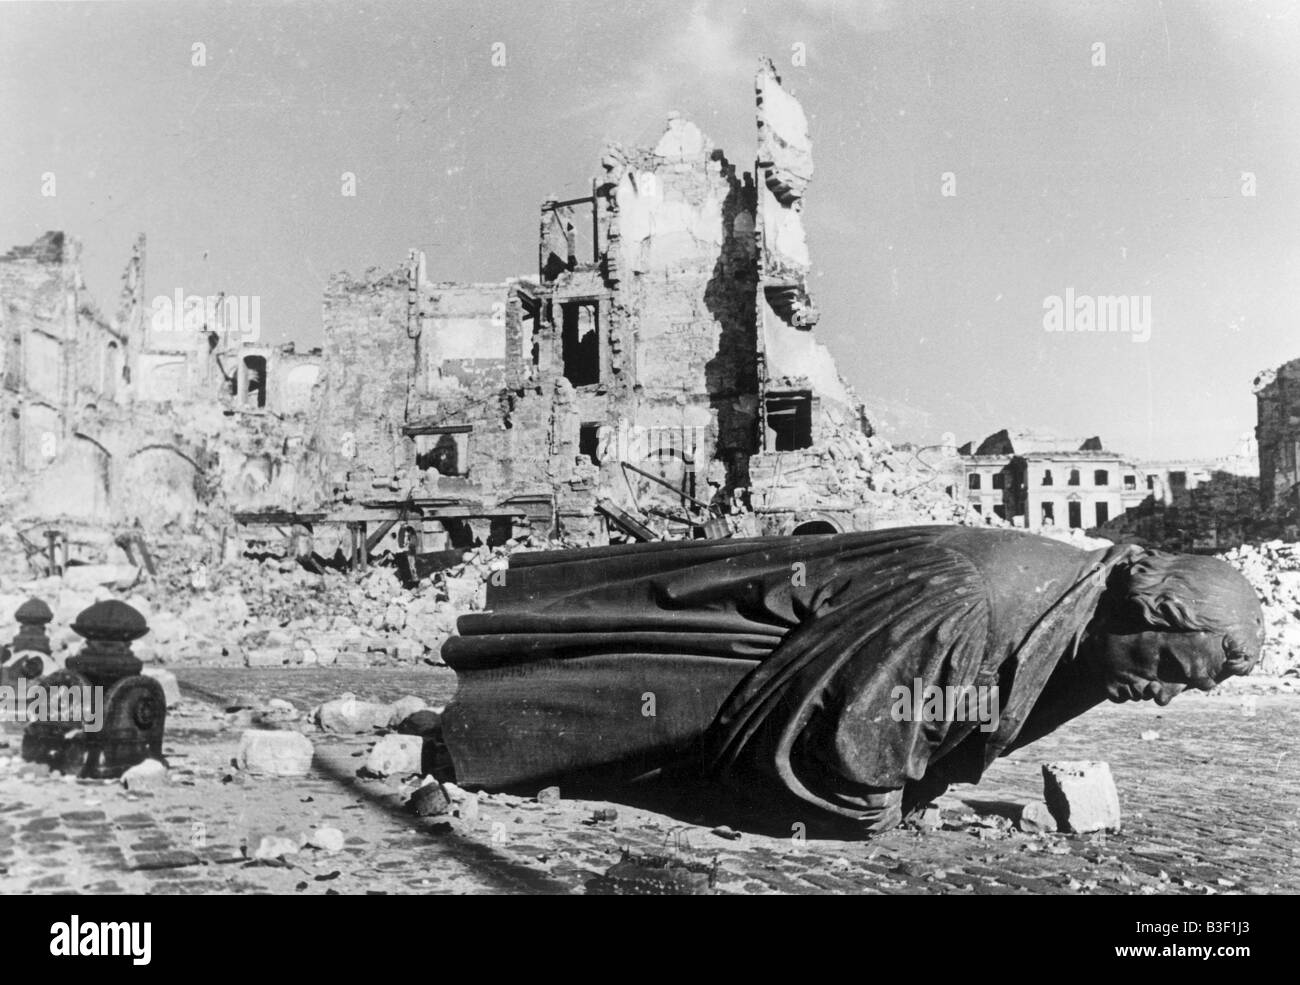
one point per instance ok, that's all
(58, 352)
(369, 364)
(1277, 394)
(682, 242)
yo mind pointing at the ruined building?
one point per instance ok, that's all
(126, 419)
(668, 329)
(1040, 481)
(60, 356)
(1037, 480)
(659, 376)
(1277, 395)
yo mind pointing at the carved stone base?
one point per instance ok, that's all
(133, 717)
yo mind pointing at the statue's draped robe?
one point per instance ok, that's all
(780, 655)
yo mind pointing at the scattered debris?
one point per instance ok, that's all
(395, 755)
(274, 847)
(171, 687)
(1035, 818)
(325, 839)
(655, 875)
(1081, 796)
(1273, 570)
(405, 708)
(275, 753)
(930, 819)
(145, 775)
(429, 801)
(423, 723)
(348, 715)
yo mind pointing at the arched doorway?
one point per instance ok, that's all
(809, 527)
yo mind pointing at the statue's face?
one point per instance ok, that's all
(1157, 665)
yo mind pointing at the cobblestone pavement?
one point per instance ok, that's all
(1209, 797)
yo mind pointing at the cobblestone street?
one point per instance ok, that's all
(1210, 806)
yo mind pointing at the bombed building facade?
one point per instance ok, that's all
(668, 329)
(658, 376)
(132, 419)
(1277, 395)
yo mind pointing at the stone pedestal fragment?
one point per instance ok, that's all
(1081, 796)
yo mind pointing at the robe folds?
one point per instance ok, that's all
(780, 655)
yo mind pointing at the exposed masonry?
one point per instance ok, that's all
(668, 326)
(1277, 394)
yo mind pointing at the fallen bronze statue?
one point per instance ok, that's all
(790, 666)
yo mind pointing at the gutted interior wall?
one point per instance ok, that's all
(685, 274)
(1277, 394)
(135, 419)
(668, 328)
(58, 352)
(795, 359)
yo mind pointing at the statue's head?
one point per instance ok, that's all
(1174, 621)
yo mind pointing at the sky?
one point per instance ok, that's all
(1118, 170)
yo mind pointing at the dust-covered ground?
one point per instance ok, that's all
(1208, 788)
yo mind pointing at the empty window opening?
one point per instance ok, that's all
(580, 342)
(1076, 514)
(500, 530)
(1103, 513)
(1101, 478)
(790, 420)
(255, 380)
(589, 442)
(1177, 480)
(999, 480)
(974, 481)
(1151, 482)
(1047, 477)
(558, 241)
(1130, 482)
(112, 369)
(442, 453)
(530, 329)
(1074, 477)
(460, 534)
(1049, 514)
(1000, 511)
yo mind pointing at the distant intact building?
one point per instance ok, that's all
(1036, 480)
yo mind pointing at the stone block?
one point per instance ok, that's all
(1081, 796)
(395, 755)
(275, 752)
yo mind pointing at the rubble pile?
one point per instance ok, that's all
(1273, 570)
(865, 476)
(1222, 512)
(264, 613)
